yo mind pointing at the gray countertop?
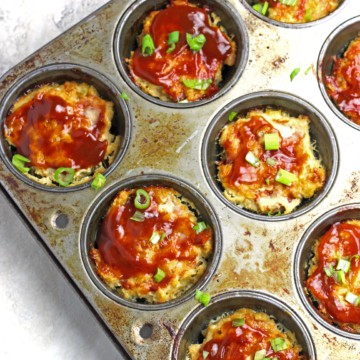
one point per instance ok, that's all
(41, 315)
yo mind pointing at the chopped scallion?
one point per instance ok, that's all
(308, 70)
(199, 227)
(147, 45)
(261, 8)
(285, 177)
(124, 95)
(329, 271)
(272, 141)
(195, 42)
(288, 2)
(352, 298)
(202, 297)
(278, 344)
(294, 73)
(252, 159)
(142, 199)
(64, 176)
(98, 182)
(270, 161)
(265, 8)
(307, 15)
(197, 84)
(238, 322)
(172, 40)
(138, 216)
(343, 264)
(260, 355)
(159, 276)
(205, 354)
(340, 276)
(232, 116)
(19, 162)
(156, 237)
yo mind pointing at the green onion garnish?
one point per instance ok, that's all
(272, 141)
(202, 297)
(232, 116)
(308, 70)
(329, 271)
(124, 95)
(352, 298)
(196, 42)
(278, 344)
(172, 40)
(205, 354)
(265, 8)
(288, 2)
(285, 177)
(142, 199)
(252, 159)
(294, 73)
(138, 216)
(199, 227)
(159, 276)
(156, 237)
(270, 161)
(267, 181)
(98, 182)
(307, 15)
(340, 276)
(197, 84)
(64, 176)
(238, 322)
(260, 355)
(343, 265)
(147, 45)
(19, 162)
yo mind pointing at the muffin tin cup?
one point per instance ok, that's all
(98, 209)
(130, 26)
(59, 73)
(303, 254)
(191, 329)
(249, 5)
(335, 46)
(320, 131)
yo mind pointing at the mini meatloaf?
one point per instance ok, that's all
(296, 11)
(62, 127)
(343, 85)
(181, 53)
(333, 282)
(269, 181)
(150, 247)
(246, 334)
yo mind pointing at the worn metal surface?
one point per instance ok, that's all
(256, 255)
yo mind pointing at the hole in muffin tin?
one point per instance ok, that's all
(304, 253)
(60, 220)
(146, 331)
(59, 73)
(335, 46)
(320, 131)
(130, 26)
(98, 209)
(190, 331)
(249, 5)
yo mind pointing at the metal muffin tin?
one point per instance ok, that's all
(167, 140)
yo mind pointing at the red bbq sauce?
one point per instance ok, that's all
(289, 156)
(167, 69)
(36, 130)
(241, 343)
(343, 85)
(341, 241)
(125, 247)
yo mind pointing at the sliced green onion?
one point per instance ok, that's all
(261, 8)
(352, 298)
(329, 271)
(138, 216)
(272, 141)
(308, 70)
(19, 162)
(343, 265)
(199, 227)
(98, 182)
(232, 116)
(260, 355)
(196, 42)
(265, 8)
(156, 237)
(340, 276)
(238, 322)
(258, 7)
(294, 73)
(159, 276)
(278, 344)
(267, 181)
(172, 40)
(142, 199)
(285, 177)
(147, 45)
(205, 354)
(64, 176)
(124, 95)
(202, 297)
(252, 159)
(271, 161)
(197, 84)
(288, 2)
(307, 15)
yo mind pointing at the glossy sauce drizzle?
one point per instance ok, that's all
(289, 156)
(341, 241)
(167, 69)
(124, 243)
(53, 134)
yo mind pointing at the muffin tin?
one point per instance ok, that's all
(259, 262)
